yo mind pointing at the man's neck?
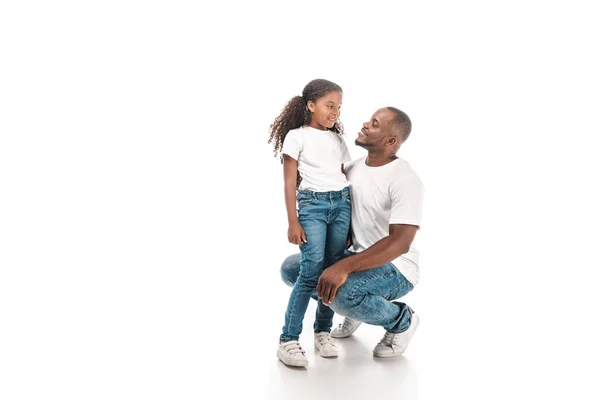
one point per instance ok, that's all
(379, 159)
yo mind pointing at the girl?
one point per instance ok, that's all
(308, 137)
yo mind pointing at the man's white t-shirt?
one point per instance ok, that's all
(389, 194)
(320, 155)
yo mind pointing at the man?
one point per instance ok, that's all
(383, 266)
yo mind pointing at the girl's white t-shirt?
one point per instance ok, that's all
(320, 155)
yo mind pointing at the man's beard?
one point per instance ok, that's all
(363, 145)
(373, 144)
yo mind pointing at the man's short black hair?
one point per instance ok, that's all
(401, 122)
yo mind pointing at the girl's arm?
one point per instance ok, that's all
(290, 174)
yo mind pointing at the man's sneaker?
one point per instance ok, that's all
(394, 344)
(346, 328)
(291, 353)
(324, 343)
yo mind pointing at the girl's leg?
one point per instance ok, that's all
(339, 217)
(311, 217)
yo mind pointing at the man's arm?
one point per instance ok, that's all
(384, 251)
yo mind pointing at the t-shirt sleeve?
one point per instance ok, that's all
(407, 201)
(292, 144)
(345, 153)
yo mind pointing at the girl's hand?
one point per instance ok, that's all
(296, 233)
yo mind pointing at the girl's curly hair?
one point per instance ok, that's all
(296, 114)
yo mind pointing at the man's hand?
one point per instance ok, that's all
(296, 234)
(330, 281)
(349, 241)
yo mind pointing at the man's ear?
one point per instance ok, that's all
(392, 140)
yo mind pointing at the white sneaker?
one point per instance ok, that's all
(394, 344)
(291, 353)
(324, 343)
(346, 328)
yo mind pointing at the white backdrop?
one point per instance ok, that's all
(142, 220)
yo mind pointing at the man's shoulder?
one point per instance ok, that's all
(405, 176)
(403, 168)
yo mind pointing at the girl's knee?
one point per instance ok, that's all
(290, 268)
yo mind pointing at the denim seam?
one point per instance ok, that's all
(291, 315)
(397, 286)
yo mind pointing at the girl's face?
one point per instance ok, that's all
(325, 110)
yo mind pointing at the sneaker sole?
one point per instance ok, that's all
(294, 363)
(326, 355)
(387, 355)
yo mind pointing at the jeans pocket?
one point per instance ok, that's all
(305, 200)
(302, 203)
(347, 199)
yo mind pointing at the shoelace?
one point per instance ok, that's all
(347, 324)
(389, 339)
(293, 348)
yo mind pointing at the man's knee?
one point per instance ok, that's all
(343, 301)
(290, 269)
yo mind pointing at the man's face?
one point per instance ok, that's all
(326, 110)
(376, 131)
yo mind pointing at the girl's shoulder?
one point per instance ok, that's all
(302, 129)
(297, 133)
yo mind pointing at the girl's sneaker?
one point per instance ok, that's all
(324, 343)
(291, 353)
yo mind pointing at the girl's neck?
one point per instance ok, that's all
(313, 124)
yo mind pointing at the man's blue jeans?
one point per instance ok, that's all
(325, 218)
(366, 295)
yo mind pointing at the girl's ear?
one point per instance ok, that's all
(311, 106)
